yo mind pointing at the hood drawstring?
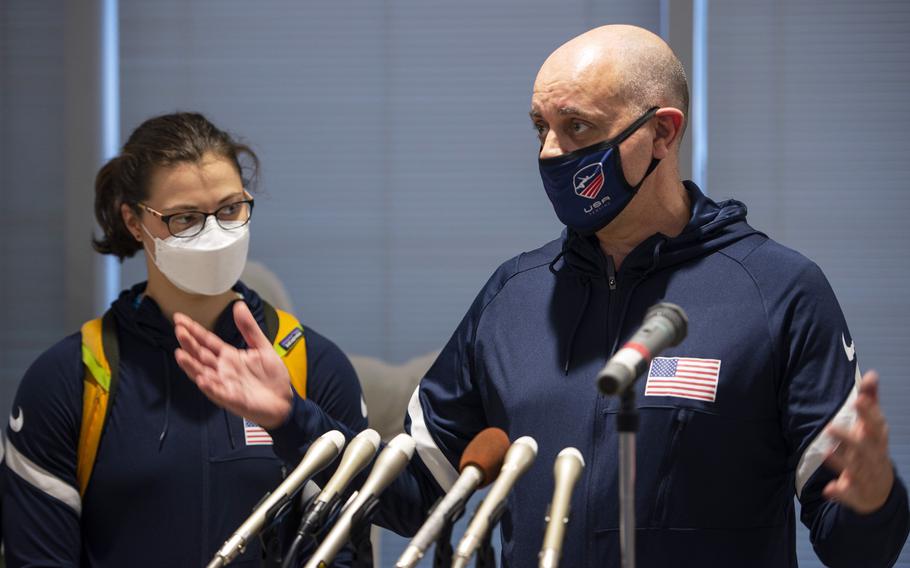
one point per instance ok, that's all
(557, 258)
(585, 277)
(581, 314)
(165, 361)
(227, 421)
(585, 280)
(167, 400)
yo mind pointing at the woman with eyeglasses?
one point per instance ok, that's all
(114, 457)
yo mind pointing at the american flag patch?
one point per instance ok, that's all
(255, 435)
(684, 377)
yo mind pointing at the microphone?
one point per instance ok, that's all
(480, 465)
(518, 459)
(566, 472)
(321, 453)
(665, 326)
(356, 457)
(391, 461)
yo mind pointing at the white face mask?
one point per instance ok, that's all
(209, 263)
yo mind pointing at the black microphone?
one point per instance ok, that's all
(665, 326)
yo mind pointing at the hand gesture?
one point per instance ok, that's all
(865, 473)
(252, 382)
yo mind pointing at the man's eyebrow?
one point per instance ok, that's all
(570, 110)
(563, 111)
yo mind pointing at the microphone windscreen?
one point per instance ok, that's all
(486, 451)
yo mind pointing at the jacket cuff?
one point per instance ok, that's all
(896, 502)
(292, 438)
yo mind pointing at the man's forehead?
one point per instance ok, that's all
(581, 100)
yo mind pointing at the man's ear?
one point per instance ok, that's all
(670, 122)
(131, 221)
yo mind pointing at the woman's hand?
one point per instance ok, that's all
(252, 382)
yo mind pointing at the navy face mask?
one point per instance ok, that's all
(587, 187)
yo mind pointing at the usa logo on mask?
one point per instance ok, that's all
(589, 180)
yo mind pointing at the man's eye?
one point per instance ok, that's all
(579, 127)
(540, 129)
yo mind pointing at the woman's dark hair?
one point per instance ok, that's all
(161, 141)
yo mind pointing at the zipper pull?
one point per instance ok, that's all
(611, 273)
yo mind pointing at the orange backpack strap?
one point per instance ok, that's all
(100, 357)
(286, 334)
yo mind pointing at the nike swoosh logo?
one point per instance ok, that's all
(15, 423)
(851, 350)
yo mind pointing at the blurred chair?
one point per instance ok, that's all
(387, 389)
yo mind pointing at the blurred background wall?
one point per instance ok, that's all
(399, 165)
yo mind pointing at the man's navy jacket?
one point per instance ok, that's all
(732, 418)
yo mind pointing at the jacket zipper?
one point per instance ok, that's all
(611, 273)
(680, 420)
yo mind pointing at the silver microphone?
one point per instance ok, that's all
(356, 457)
(665, 325)
(390, 463)
(480, 464)
(566, 471)
(321, 453)
(518, 459)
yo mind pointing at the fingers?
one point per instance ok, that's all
(189, 364)
(868, 387)
(248, 327)
(871, 419)
(836, 461)
(847, 440)
(192, 348)
(203, 337)
(838, 489)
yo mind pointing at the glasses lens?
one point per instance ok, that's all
(234, 215)
(187, 224)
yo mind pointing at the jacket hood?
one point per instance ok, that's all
(711, 227)
(138, 314)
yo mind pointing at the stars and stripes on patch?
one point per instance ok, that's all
(683, 377)
(593, 188)
(255, 435)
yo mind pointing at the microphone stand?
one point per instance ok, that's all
(360, 535)
(627, 426)
(310, 526)
(442, 555)
(486, 556)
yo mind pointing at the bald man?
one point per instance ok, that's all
(735, 421)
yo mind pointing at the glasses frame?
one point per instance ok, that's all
(166, 218)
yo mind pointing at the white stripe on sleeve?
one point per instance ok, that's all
(818, 450)
(42, 479)
(427, 449)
